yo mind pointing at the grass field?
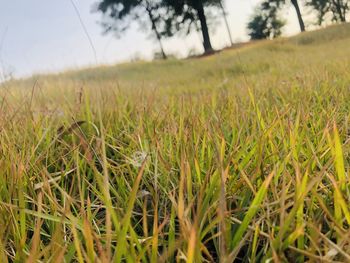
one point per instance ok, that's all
(242, 156)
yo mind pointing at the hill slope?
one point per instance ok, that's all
(243, 155)
(323, 46)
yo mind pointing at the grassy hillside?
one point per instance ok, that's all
(239, 156)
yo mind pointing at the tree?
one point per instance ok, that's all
(119, 14)
(295, 3)
(183, 14)
(337, 9)
(296, 6)
(265, 23)
(300, 17)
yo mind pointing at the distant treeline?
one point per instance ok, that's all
(165, 18)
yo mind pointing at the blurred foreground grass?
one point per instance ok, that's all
(239, 156)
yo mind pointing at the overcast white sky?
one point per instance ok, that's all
(38, 36)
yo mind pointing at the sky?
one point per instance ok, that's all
(41, 36)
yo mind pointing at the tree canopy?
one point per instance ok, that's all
(118, 15)
(167, 17)
(335, 10)
(266, 23)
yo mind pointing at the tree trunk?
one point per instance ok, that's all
(204, 27)
(226, 22)
(300, 18)
(154, 28)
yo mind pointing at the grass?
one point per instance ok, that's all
(242, 156)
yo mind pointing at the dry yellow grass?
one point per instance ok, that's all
(239, 156)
